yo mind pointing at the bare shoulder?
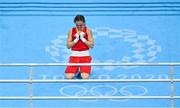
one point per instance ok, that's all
(70, 31)
(89, 30)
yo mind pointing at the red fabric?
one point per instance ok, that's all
(83, 69)
(80, 46)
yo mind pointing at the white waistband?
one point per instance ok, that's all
(80, 53)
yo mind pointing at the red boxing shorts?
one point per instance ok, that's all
(83, 69)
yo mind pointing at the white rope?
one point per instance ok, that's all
(86, 97)
(89, 81)
(90, 64)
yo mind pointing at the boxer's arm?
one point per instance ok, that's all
(90, 42)
(70, 42)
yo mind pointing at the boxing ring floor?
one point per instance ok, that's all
(135, 57)
(32, 92)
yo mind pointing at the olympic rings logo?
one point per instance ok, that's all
(103, 90)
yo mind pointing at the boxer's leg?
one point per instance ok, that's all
(85, 70)
(71, 70)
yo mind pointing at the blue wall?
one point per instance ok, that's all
(135, 31)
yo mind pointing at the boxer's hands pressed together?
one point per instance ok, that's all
(77, 38)
(82, 37)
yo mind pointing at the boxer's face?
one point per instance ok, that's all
(80, 25)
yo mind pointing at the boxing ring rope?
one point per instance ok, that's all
(31, 81)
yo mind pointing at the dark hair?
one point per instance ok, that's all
(79, 18)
